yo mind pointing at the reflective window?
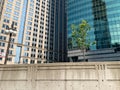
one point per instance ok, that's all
(103, 17)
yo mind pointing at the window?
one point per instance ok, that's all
(18, 3)
(10, 0)
(38, 61)
(1, 50)
(6, 21)
(12, 40)
(28, 33)
(9, 5)
(16, 13)
(29, 28)
(9, 59)
(2, 38)
(31, 14)
(25, 61)
(26, 48)
(32, 62)
(15, 18)
(17, 8)
(4, 26)
(8, 10)
(2, 31)
(29, 23)
(27, 38)
(30, 18)
(27, 43)
(31, 0)
(26, 54)
(15, 23)
(10, 52)
(7, 15)
(11, 46)
(2, 44)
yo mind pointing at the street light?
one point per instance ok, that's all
(10, 31)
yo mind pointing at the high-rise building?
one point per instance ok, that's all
(41, 33)
(103, 17)
(1, 7)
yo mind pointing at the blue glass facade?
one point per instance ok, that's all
(21, 31)
(102, 15)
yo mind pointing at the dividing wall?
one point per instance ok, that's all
(61, 76)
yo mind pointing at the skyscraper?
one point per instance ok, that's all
(40, 31)
(1, 7)
(103, 17)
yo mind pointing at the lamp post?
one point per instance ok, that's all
(10, 31)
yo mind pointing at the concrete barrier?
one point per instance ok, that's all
(61, 76)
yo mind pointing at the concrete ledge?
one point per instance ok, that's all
(61, 76)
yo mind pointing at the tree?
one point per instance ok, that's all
(80, 36)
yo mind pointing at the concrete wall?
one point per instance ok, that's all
(61, 76)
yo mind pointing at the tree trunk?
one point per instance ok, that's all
(84, 54)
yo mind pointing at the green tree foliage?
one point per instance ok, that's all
(80, 36)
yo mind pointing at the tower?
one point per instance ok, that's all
(40, 31)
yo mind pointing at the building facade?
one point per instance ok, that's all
(103, 17)
(1, 7)
(40, 31)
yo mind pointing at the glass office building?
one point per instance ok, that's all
(102, 15)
